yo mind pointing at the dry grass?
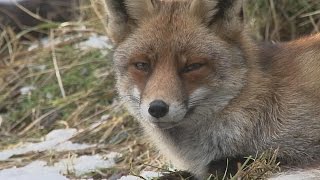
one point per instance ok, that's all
(281, 20)
(75, 88)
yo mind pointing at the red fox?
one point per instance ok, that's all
(204, 91)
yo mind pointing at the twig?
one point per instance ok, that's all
(9, 45)
(275, 19)
(38, 120)
(30, 13)
(314, 24)
(101, 15)
(56, 67)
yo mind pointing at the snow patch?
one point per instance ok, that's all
(95, 42)
(130, 178)
(35, 171)
(86, 164)
(148, 175)
(56, 140)
(39, 170)
(47, 42)
(61, 135)
(298, 175)
(292, 175)
(26, 90)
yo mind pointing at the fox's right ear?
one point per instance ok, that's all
(224, 15)
(124, 15)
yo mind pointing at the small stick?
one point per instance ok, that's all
(56, 67)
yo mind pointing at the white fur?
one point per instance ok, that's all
(199, 93)
(136, 92)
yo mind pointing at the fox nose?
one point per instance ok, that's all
(158, 109)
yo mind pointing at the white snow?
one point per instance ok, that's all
(96, 42)
(47, 42)
(56, 140)
(292, 175)
(61, 135)
(27, 89)
(39, 170)
(298, 175)
(148, 175)
(85, 164)
(105, 117)
(35, 171)
(130, 178)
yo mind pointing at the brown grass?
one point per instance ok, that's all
(282, 20)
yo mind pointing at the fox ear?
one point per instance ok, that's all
(227, 14)
(123, 16)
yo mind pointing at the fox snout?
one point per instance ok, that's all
(158, 109)
(164, 112)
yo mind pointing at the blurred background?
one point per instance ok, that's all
(56, 73)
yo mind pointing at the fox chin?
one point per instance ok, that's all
(204, 91)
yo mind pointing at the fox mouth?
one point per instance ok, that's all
(166, 125)
(171, 124)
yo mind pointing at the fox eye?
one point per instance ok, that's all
(192, 67)
(142, 66)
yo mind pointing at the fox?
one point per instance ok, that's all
(204, 90)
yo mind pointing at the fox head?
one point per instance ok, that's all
(176, 60)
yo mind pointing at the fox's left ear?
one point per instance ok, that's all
(225, 14)
(123, 16)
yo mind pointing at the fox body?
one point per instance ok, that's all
(204, 91)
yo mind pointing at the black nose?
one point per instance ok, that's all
(158, 109)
